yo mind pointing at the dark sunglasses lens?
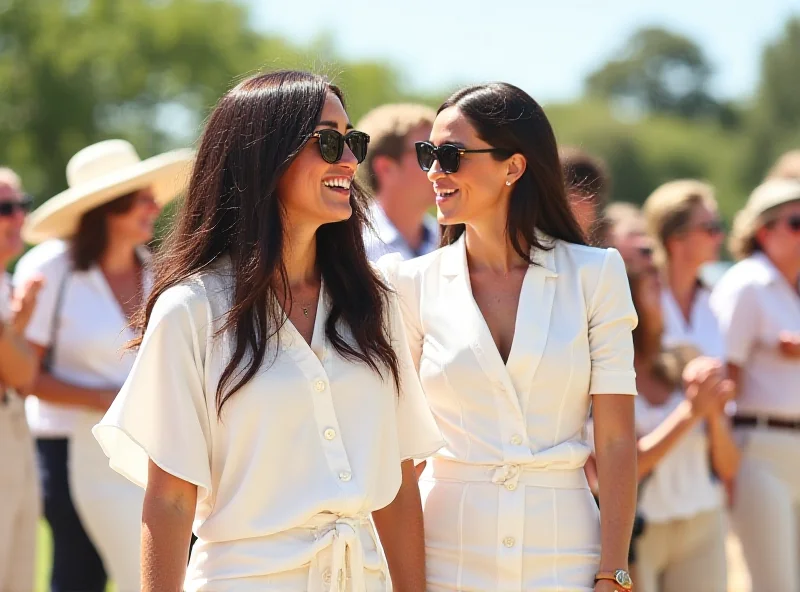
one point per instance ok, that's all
(425, 155)
(449, 158)
(358, 142)
(331, 145)
(794, 223)
(9, 208)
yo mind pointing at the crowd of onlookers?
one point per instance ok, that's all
(716, 455)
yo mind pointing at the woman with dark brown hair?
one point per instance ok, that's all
(515, 326)
(93, 262)
(273, 407)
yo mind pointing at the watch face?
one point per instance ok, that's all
(623, 579)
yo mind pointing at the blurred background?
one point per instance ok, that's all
(689, 88)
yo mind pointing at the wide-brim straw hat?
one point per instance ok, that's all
(771, 194)
(101, 173)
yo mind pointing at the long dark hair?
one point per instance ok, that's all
(91, 239)
(507, 117)
(232, 208)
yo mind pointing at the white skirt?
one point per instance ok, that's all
(509, 529)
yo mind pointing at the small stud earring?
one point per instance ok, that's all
(508, 183)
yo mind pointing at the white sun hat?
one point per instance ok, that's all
(100, 173)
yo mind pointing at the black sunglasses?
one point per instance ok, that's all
(9, 208)
(711, 228)
(448, 155)
(793, 222)
(331, 144)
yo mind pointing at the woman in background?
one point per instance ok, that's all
(93, 261)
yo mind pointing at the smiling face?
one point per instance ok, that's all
(478, 190)
(11, 220)
(136, 224)
(312, 191)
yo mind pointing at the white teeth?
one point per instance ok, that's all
(445, 192)
(342, 182)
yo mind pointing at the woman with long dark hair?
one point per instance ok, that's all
(515, 325)
(273, 407)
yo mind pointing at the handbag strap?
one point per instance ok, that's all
(49, 356)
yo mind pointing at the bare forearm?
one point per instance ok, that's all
(616, 472)
(50, 389)
(655, 445)
(166, 534)
(725, 454)
(400, 528)
(18, 362)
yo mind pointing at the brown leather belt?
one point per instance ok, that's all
(752, 421)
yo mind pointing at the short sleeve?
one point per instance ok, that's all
(54, 272)
(407, 291)
(738, 315)
(417, 433)
(612, 319)
(161, 413)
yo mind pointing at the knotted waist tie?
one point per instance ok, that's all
(510, 475)
(343, 535)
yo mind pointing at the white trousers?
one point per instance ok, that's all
(109, 506)
(766, 508)
(686, 555)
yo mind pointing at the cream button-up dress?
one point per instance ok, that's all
(507, 505)
(303, 453)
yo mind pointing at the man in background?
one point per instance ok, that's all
(588, 187)
(403, 194)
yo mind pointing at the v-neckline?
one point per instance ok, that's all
(317, 343)
(485, 325)
(106, 287)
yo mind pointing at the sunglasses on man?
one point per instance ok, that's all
(9, 207)
(332, 142)
(792, 222)
(448, 155)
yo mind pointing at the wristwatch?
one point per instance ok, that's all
(620, 577)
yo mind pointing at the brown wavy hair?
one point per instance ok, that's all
(506, 117)
(232, 208)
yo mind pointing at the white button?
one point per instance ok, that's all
(345, 476)
(511, 486)
(326, 576)
(319, 386)
(329, 434)
(516, 439)
(509, 542)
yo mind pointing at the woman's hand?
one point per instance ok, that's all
(707, 388)
(789, 344)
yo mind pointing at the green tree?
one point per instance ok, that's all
(658, 71)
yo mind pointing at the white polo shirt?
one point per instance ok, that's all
(386, 239)
(90, 338)
(753, 303)
(702, 331)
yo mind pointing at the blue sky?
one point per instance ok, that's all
(547, 48)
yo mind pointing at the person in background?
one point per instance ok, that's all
(686, 446)
(92, 257)
(400, 218)
(588, 187)
(757, 304)
(627, 232)
(786, 167)
(19, 490)
(683, 220)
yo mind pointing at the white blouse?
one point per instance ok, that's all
(702, 330)
(302, 454)
(91, 334)
(754, 303)
(681, 485)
